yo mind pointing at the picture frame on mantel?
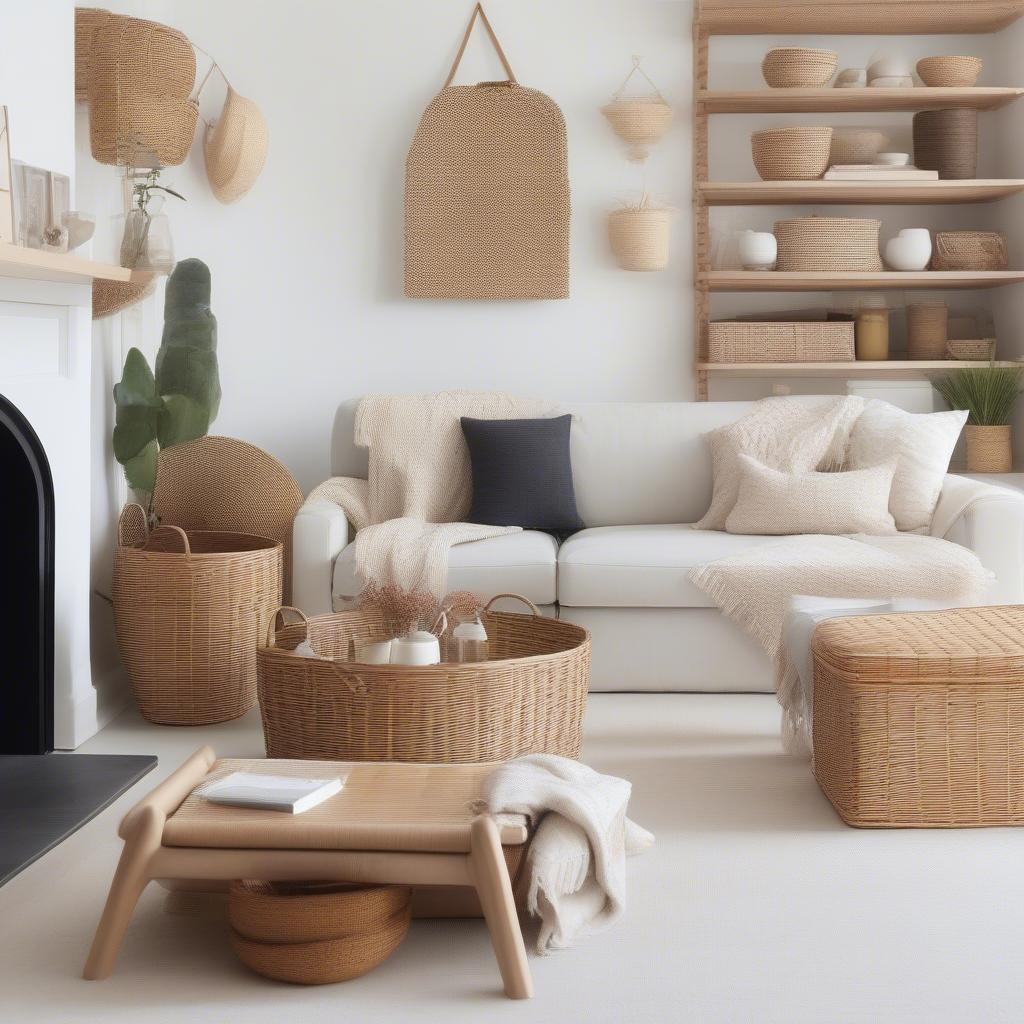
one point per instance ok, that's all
(6, 181)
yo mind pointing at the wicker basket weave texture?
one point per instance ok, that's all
(947, 141)
(795, 67)
(529, 698)
(952, 72)
(989, 448)
(235, 148)
(639, 121)
(140, 79)
(780, 342)
(109, 297)
(971, 349)
(828, 243)
(87, 21)
(189, 612)
(640, 238)
(919, 718)
(927, 328)
(970, 250)
(791, 154)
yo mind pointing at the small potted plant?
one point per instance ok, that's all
(988, 393)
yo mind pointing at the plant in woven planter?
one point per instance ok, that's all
(180, 401)
(989, 394)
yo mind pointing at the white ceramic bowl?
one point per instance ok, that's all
(889, 67)
(892, 82)
(893, 159)
(851, 78)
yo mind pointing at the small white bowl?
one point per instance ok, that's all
(892, 159)
(889, 67)
(852, 78)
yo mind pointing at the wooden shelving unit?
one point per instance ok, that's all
(35, 264)
(831, 17)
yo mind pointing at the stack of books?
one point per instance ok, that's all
(878, 172)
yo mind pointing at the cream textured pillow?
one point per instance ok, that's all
(786, 433)
(773, 503)
(921, 444)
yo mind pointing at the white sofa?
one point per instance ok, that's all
(642, 471)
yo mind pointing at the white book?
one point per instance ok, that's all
(271, 792)
(871, 172)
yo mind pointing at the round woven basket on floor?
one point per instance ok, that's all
(989, 449)
(954, 72)
(189, 612)
(529, 698)
(791, 154)
(795, 67)
(640, 237)
(947, 141)
(828, 243)
(970, 250)
(927, 325)
(316, 933)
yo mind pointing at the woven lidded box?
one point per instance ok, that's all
(919, 717)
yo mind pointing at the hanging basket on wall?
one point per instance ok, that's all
(640, 121)
(640, 235)
(235, 148)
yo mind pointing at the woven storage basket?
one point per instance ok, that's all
(190, 610)
(919, 718)
(989, 449)
(639, 121)
(109, 297)
(140, 79)
(87, 21)
(780, 342)
(947, 141)
(316, 933)
(487, 193)
(529, 698)
(927, 326)
(828, 243)
(795, 67)
(949, 72)
(640, 237)
(971, 349)
(791, 154)
(970, 250)
(856, 145)
(235, 148)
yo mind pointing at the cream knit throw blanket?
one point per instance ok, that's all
(577, 859)
(755, 588)
(408, 512)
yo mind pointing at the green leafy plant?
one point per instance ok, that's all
(180, 401)
(988, 393)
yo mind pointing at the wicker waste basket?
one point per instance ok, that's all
(919, 718)
(528, 698)
(190, 610)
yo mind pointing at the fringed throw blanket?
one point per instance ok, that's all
(407, 513)
(755, 589)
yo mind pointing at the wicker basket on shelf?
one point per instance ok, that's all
(953, 72)
(927, 326)
(528, 698)
(971, 349)
(780, 342)
(791, 154)
(947, 141)
(189, 612)
(828, 244)
(970, 250)
(796, 67)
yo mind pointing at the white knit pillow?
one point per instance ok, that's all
(773, 503)
(785, 433)
(921, 444)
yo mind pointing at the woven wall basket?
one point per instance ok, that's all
(235, 148)
(640, 237)
(947, 141)
(828, 243)
(87, 21)
(639, 121)
(189, 611)
(487, 193)
(140, 79)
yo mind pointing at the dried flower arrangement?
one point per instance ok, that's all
(406, 610)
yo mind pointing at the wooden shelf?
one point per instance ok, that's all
(856, 17)
(777, 193)
(833, 281)
(862, 368)
(37, 265)
(866, 100)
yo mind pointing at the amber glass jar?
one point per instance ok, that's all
(872, 334)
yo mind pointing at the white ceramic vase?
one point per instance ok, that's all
(910, 250)
(758, 250)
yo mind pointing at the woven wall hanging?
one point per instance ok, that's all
(487, 192)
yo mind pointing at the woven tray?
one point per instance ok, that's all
(775, 342)
(828, 243)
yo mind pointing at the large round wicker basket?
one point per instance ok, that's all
(190, 610)
(791, 154)
(828, 243)
(528, 698)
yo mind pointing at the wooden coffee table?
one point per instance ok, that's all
(400, 823)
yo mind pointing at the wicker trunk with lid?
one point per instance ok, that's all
(919, 718)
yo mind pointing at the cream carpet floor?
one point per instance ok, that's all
(756, 905)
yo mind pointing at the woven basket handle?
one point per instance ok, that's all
(169, 538)
(131, 526)
(478, 11)
(280, 614)
(534, 610)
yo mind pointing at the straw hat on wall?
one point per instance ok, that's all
(235, 147)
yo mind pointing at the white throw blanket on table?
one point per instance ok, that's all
(577, 860)
(407, 513)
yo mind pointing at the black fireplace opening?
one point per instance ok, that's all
(26, 577)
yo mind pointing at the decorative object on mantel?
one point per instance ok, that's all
(791, 154)
(180, 402)
(927, 325)
(989, 394)
(976, 350)
(109, 297)
(146, 243)
(80, 227)
(828, 243)
(798, 67)
(487, 192)
(640, 121)
(640, 235)
(952, 72)
(41, 199)
(235, 148)
(758, 250)
(947, 141)
(780, 342)
(970, 250)
(910, 250)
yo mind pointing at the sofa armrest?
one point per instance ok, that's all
(319, 534)
(989, 520)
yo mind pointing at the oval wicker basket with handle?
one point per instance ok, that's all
(528, 698)
(190, 610)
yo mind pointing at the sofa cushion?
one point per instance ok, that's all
(642, 566)
(520, 563)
